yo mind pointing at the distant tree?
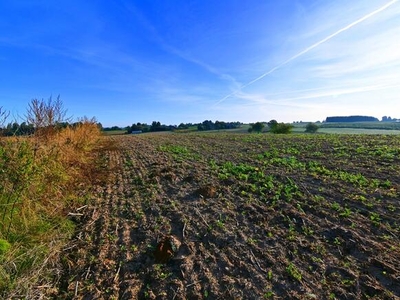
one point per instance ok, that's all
(155, 126)
(281, 128)
(220, 125)
(387, 119)
(144, 127)
(138, 126)
(272, 124)
(26, 129)
(183, 126)
(208, 125)
(312, 128)
(257, 127)
(15, 129)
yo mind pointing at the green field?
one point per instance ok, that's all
(113, 132)
(353, 128)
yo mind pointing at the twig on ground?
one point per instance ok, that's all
(75, 214)
(258, 265)
(76, 288)
(116, 275)
(175, 292)
(193, 283)
(200, 215)
(69, 248)
(87, 273)
(183, 230)
(82, 207)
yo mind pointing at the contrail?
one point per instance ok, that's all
(310, 48)
(347, 91)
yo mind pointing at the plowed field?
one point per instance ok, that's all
(255, 217)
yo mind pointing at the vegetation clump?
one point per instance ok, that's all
(312, 128)
(256, 127)
(42, 178)
(279, 128)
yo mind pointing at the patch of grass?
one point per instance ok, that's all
(113, 132)
(178, 152)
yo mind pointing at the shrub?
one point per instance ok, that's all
(256, 127)
(312, 128)
(42, 178)
(4, 247)
(47, 117)
(281, 128)
(272, 124)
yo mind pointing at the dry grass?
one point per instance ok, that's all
(42, 179)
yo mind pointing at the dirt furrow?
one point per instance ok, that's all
(235, 242)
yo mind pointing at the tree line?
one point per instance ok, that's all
(273, 127)
(156, 126)
(24, 128)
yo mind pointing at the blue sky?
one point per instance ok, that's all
(187, 61)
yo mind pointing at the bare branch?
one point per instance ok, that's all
(46, 116)
(3, 116)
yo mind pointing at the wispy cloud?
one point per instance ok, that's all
(176, 51)
(278, 59)
(313, 46)
(286, 99)
(181, 54)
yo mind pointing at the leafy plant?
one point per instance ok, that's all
(346, 213)
(269, 275)
(293, 272)
(375, 218)
(4, 247)
(269, 294)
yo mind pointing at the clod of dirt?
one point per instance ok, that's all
(170, 177)
(207, 191)
(189, 179)
(166, 249)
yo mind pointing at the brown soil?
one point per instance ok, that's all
(168, 223)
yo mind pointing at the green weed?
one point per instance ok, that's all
(293, 272)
